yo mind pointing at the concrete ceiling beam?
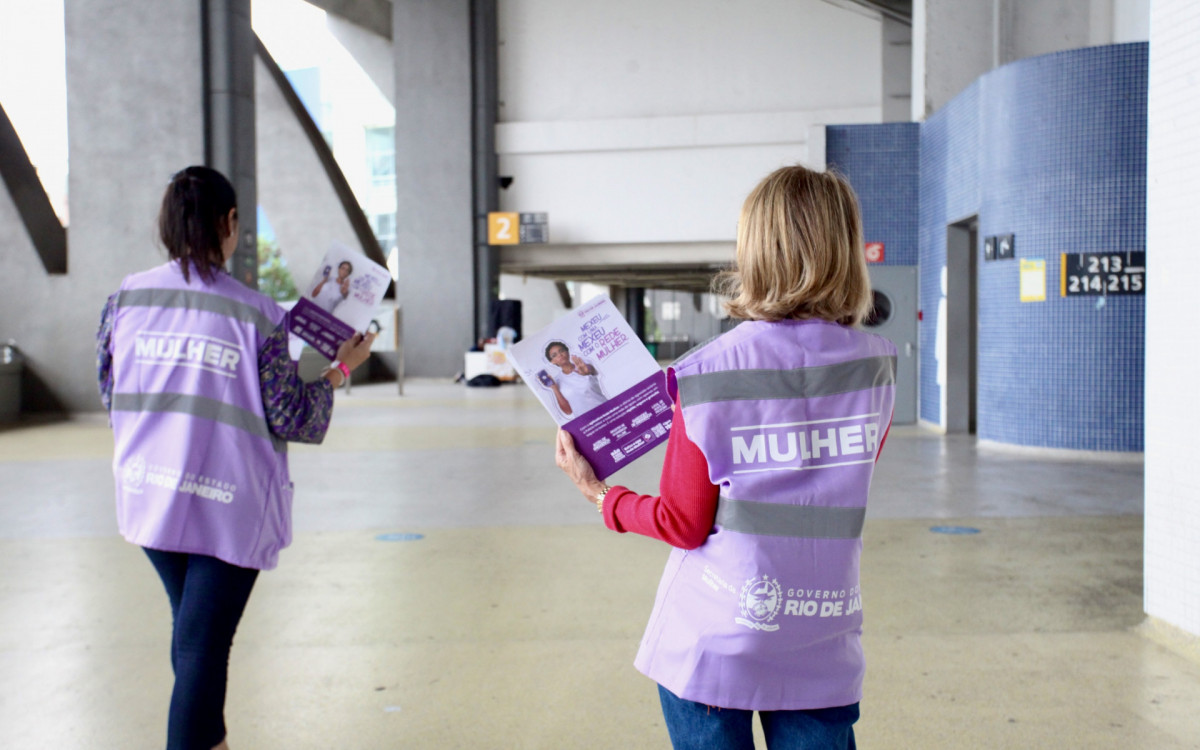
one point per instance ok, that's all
(373, 15)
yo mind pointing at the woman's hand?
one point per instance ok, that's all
(355, 350)
(352, 353)
(583, 367)
(576, 467)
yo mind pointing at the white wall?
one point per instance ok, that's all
(1172, 516)
(632, 122)
(574, 60)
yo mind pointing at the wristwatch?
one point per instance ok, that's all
(604, 488)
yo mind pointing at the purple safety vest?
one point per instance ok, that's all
(196, 467)
(767, 613)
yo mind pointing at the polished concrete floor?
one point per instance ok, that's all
(447, 588)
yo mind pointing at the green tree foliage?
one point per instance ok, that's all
(274, 278)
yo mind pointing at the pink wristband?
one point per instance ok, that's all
(342, 366)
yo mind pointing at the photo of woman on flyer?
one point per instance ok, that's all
(328, 293)
(574, 382)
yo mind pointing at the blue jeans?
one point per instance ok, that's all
(695, 726)
(207, 597)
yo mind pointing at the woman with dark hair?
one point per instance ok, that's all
(777, 427)
(202, 397)
(574, 382)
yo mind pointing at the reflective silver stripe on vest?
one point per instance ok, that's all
(189, 299)
(199, 406)
(805, 468)
(802, 382)
(802, 521)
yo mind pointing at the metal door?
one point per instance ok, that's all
(895, 318)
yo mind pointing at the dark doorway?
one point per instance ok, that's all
(962, 325)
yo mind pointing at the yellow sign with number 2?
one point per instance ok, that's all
(504, 228)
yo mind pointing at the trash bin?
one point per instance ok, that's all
(11, 365)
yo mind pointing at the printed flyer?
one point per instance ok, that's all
(340, 300)
(599, 383)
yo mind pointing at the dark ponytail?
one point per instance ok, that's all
(194, 219)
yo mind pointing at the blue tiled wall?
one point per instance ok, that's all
(1051, 149)
(950, 191)
(882, 163)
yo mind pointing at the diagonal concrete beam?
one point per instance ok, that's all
(372, 15)
(337, 179)
(33, 206)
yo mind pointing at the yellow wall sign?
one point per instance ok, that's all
(1033, 280)
(504, 228)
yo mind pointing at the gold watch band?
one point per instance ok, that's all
(604, 488)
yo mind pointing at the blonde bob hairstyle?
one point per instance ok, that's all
(799, 251)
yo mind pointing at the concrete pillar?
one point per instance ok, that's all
(635, 310)
(485, 100)
(897, 70)
(229, 118)
(1045, 26)
(956, 41)
(953, 44)
(1131, 21)
(135, 116)
(434, 196)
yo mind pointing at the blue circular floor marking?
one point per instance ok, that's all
(954, 529)
(399, 537)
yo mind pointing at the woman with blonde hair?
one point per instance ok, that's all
(777, 427)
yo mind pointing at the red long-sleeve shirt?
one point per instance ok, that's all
(683, 515)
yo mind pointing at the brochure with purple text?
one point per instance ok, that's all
(599, 383)
(339, 301)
